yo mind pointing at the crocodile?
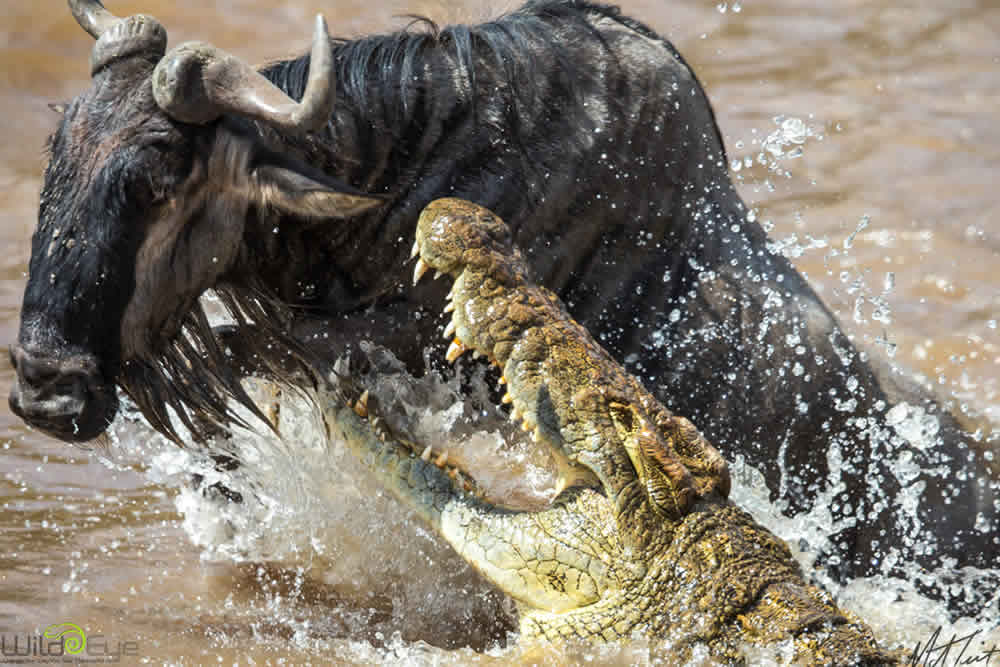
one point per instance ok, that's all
(642, 540)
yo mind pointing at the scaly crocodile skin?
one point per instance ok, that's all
(643, 541)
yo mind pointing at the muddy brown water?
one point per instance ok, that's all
(881, 183)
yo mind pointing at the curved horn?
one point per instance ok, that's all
(92, 16)
(197, 83)
(117, 37)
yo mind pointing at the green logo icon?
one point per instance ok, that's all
(72, 635)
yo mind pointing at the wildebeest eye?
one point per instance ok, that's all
(165, 166)
(58, 107)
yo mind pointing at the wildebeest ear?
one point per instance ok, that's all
(310, 195)
(58, 107)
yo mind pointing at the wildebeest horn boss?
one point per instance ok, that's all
(293, 191)
(197, 83)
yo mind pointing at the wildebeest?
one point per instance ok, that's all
(293, 192)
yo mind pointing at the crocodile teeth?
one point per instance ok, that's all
(536, 435)
(528, 425)
(441, 459)
(455, 350)
(449, 331)
(416, 249)
(419, 270)
(515, 414)
(503, 380)
(426, 456)
(507, 399)
(361, 406)
(437, 274)
(449, 307)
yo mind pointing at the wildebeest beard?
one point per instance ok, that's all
(193, 380)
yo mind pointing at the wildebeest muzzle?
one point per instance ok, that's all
(66, 397)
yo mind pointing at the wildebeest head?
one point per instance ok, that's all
(143, 208)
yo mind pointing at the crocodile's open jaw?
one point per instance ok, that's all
(434, 419)
(504, 465)
(511, 548)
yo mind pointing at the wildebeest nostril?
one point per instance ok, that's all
(39, 372)
(71, 384)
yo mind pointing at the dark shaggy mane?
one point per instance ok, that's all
(383, 71)
(193, 379)
(379, 75)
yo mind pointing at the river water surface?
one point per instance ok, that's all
(866, 134)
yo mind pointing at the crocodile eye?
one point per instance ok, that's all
(623, 417)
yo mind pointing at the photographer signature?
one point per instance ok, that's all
(957, 651)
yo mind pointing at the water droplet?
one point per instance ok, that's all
(849, 241)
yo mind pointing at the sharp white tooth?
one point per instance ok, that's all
(419, 270)
(449, 307)
(437, 274)
(455, 350)
(561, 484)
(536, 435)
(441, 460)
(507, 399)
(503, 380)
(515, 414)
(449, 331)
(426, 456)
(528, 425)
(476, 354)
(416, 249)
